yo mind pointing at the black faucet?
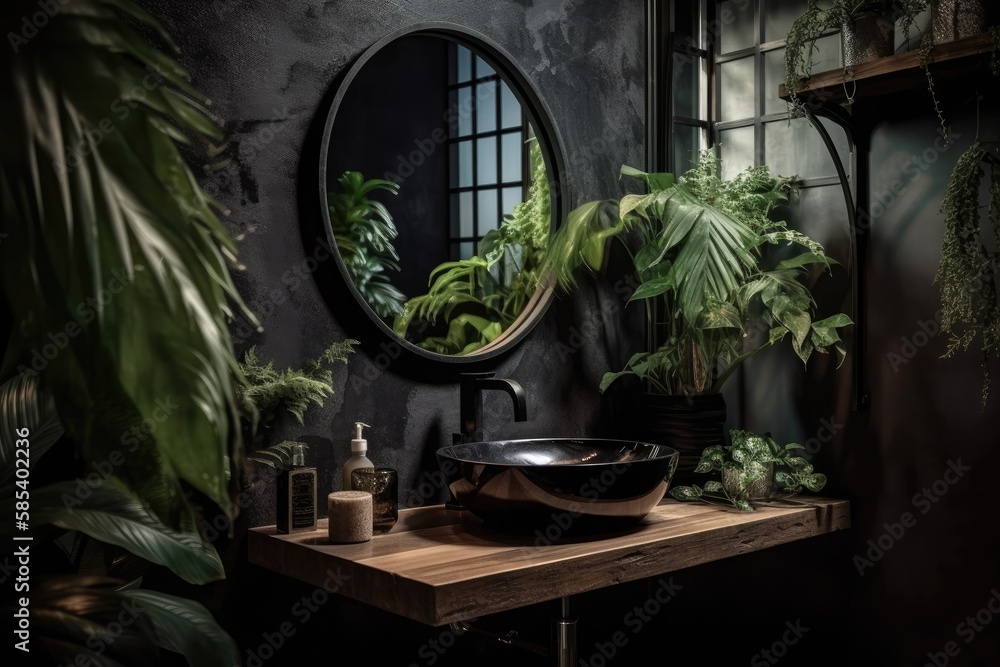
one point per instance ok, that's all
(471, 408)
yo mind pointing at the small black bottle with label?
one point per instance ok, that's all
(296, 495)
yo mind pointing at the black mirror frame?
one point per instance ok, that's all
(363, 323)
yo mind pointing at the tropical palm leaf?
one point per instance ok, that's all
(107, 514)
(24, 406)
(581, 240)
(364, 231)
(186, 627)
(97, 618)
(711, 261)
(71, 616)
(111, 238)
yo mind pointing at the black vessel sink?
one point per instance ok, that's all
(557, 486)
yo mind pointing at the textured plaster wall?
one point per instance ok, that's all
(270, 69)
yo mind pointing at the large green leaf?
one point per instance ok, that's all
(365, 233)
(581, 240)
(803, 259)
(114, 237)
(652, 288)
(655, 181)
(24, 406)
(186, 627)
(720, 315)
(793, 317)
(825, 335)
(73, 616)
(711, 261)
(106, 514)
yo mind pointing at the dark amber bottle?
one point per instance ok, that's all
(296, 495)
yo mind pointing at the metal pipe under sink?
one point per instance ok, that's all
(564, 639)
(564, 629)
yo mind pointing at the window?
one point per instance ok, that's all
(727, 61)
(751, 124)
(689, 87)
(488, 154)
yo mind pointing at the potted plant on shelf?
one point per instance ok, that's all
(713, 283)
(748, 475)
(867, 30)
(954, 19)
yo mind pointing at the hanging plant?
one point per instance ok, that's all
(822, 18)
(926, 47)
(967, 270)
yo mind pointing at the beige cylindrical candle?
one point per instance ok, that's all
(350, 515)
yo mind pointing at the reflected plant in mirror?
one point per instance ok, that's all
(365, 232)
(442, 247)
(475, 300)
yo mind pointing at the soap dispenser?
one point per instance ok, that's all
(358, 460)
(296, 495)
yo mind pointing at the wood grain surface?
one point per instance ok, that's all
(439, 566)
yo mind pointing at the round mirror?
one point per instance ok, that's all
(439, 172)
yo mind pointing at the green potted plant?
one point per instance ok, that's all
(721, 280)
(753, 468)
(867, 29)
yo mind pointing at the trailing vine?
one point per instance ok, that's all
(967, 271)
(926, 46)
(821, 19)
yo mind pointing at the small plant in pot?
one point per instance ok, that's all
(867, 29)
(721, 280)
(747, 467)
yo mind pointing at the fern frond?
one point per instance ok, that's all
(277, 456)
(268, 389)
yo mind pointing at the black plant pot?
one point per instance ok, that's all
(689, 424)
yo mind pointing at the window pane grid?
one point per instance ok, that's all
(491, 158)
(689, 95)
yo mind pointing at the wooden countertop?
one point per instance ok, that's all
(439, 566)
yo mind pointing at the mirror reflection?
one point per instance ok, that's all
(438, 195)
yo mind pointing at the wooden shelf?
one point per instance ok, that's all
(439, 566)
(899, 73)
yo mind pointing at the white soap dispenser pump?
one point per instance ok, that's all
(359, 447)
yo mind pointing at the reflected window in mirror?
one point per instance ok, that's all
(487, 148)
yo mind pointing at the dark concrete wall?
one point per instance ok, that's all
(922, 556)
(269, 69)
